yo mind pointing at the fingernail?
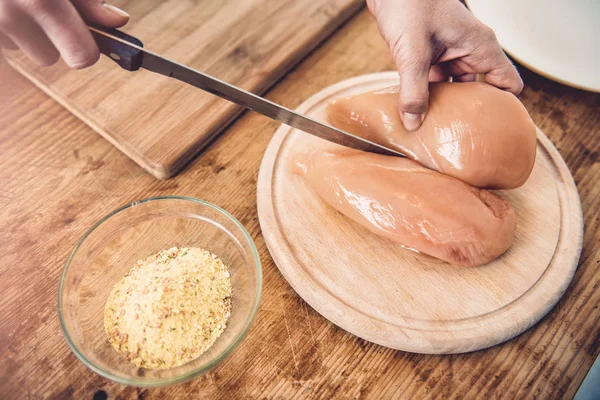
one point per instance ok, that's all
(116, 10)
(412, 122)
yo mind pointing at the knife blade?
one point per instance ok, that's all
(128, 52)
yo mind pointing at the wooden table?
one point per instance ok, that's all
(58, 177)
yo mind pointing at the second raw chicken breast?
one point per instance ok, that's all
(419, 208)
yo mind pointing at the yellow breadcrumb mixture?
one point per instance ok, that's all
(170, 308)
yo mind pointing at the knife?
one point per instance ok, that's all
(128, 52)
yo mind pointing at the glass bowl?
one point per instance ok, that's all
(111, 248)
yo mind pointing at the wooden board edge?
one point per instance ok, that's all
(158, 171)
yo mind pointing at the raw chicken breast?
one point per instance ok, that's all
(472, 131)
(422, 209)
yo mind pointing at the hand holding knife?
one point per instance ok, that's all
(128, 52)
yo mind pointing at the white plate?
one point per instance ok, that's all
(559, 39)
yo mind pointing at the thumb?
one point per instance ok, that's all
(101, 13)
(414, 90)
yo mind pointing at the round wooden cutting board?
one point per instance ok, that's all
(380, 292)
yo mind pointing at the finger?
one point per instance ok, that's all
(413, 68)
(456, 68)
(506, 77)
(371, 6)
(6, 43)
(466, 78)
(27, 35)
(437, 74)
(101, 13)
(67, 31)
(491, 61)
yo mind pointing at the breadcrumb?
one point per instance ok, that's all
(170, 308)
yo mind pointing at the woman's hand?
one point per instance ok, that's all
(432, 40)
(47, 29)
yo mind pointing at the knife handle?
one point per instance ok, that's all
(127, 57)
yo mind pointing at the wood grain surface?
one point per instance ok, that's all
(59, 177)
(373, 288)
(162, 123)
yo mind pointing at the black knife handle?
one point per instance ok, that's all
(127, 57)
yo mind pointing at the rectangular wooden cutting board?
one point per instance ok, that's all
(161, 123)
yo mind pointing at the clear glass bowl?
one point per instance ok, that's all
(110, 249)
